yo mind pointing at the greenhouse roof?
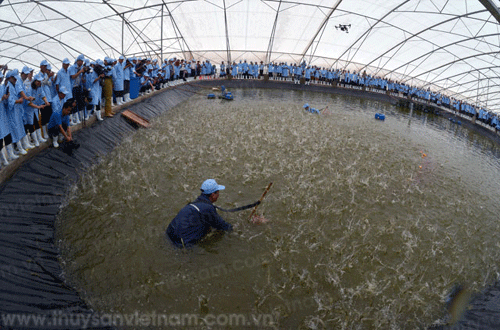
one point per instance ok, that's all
(448, 46)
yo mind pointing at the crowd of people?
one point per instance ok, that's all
(307, 74)
(31, 107)
(44, 105)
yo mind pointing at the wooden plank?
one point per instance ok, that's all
(135, 118)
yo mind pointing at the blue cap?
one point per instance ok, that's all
(66, 61)
(80, 58)
(49, 67)
(44, 62)
(63, 90)
(121, 57)
(210, 186)
(306, 105)
(26, 70)
(12, 73)
(38, 77)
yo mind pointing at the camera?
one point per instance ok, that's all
(99, 69)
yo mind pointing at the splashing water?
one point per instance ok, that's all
(363, 233)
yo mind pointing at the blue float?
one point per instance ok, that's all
(380, 116)
(227, 96)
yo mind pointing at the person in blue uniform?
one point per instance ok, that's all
(195, 220)
(4, 126)
(311, 110)
(63, 79)
(15, 110)
(222, 73)
(31, 114)
(59, 123)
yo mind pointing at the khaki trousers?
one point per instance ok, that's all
(107, 91)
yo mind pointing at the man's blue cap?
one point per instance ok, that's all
(49, 67)
(66, 61)
(210, 186)
(44, 62)
(306, 105)
(12, 73)
(80, 58)
(63, 90)
(38, 77)
(26, 70)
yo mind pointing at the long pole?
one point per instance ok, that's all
(260, 200)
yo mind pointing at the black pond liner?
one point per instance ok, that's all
(30, 274)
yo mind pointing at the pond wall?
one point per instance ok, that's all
(31, 277)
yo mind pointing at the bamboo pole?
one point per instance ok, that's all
(260, 200)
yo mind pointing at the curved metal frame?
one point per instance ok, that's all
(438, 76)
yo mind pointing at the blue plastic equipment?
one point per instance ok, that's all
(227, 96)
(134, 87)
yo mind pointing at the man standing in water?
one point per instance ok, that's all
(194, 221)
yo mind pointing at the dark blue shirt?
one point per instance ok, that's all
(57, 119)
(193, 222)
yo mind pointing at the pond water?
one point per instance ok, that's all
(371, 223)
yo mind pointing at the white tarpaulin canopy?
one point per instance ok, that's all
(450, 46)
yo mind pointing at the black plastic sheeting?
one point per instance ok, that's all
(30, 274)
